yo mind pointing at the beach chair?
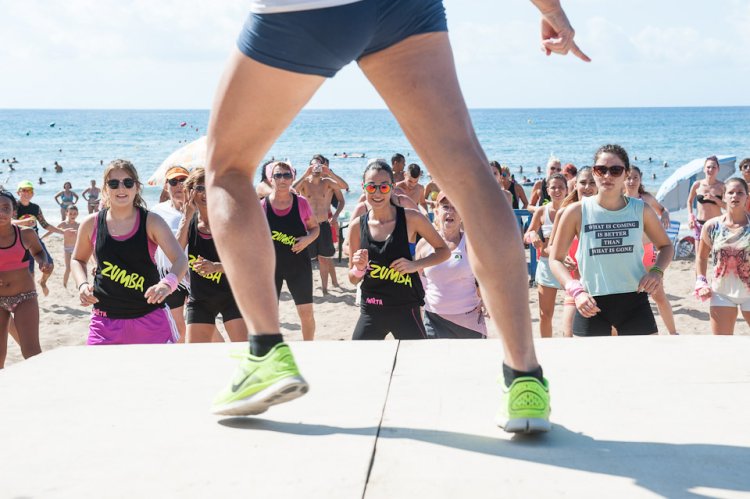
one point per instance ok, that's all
(523, 217)
(674, 232)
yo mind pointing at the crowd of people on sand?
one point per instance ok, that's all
(599, 236)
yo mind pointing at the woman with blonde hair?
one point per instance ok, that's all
(127, 294)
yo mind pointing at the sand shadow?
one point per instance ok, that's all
(348, 299)
(290, 326)
(697, 314)
(64, 310)
(670, 470)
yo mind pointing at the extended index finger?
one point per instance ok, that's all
(579, 53)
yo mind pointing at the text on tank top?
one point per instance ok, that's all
(610, 247)
(730, 260)
(285, 230)
(383, 286)
(450, 286)
(15, 256)
(125, 270)
(210, 285)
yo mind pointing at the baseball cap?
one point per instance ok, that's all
(25, 184)
(176, 172)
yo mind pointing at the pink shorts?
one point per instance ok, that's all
(154, 327)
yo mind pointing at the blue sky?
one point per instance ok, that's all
(169, 54)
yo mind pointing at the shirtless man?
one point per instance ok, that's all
(398, 162)
(91, 195)
(411, 186)
(318, 186)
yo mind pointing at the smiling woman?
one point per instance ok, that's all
(127, 295)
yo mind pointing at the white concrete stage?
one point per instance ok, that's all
(633, 417)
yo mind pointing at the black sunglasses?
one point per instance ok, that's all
(174, 181)
(199, 188)
(285, 175)
(128, 183)
(614, 171)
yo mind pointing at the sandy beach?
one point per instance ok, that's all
(64, 322)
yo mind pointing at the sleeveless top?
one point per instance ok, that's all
(545, 195)
(450, 286)
(610, 247)
(383, 286)
(66, 199)
(730, 258)
(124, 271)
(547, 223)
(15, 256)
(284, 232)
(514, 196)
(207, 286)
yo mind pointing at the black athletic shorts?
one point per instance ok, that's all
(629, 313)
(205, 311)
(323, 245)
(438, 327)
(405, 323)
(322, 41)
(299, 281)
(177, 299)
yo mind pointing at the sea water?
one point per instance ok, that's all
(82, 140)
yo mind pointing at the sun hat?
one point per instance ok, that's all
(177, 172)
(25, 184)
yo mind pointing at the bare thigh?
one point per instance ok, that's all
(199, 333)
(26, 317)
(723, 320)
(236, 330)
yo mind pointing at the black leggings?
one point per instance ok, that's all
(405, 323)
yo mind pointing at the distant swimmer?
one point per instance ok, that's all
(653, 176)
(41, 181)
(58, 168)
(649, 159)
(666, 165)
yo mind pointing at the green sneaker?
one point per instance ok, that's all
(261, 382)
(524, 407)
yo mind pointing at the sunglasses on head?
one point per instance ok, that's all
(199, 188)
(614, 171)
(114, 183)
(174, 181)
(372, 188)
(285, 175)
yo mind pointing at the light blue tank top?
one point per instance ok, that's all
(610, 249)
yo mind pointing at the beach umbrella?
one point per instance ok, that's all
(189, 156)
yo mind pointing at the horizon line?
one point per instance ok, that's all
(376, 109)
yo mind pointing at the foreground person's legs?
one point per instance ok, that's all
(418, 81)
(254, 105)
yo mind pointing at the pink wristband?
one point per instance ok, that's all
(574, 288)
(358, 273)
(170, 280)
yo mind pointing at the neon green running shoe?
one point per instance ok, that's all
(525, 407)
(261, 382)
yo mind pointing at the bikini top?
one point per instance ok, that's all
(15, 256)
(66, 198)
(702, 199)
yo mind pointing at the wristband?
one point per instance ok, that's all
(170, 280)
(701, 283)
(359, 274)
(656, 269)
(574, 288)
(79, 286)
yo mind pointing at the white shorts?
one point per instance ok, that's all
(718, 300)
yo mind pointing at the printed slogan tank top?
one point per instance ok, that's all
(207, 286)
(610, 247)
(124, 271)
(383, 286)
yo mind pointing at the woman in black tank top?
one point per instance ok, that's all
(210, 294)
(293, 229)
(127, 294)
(380, 258)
